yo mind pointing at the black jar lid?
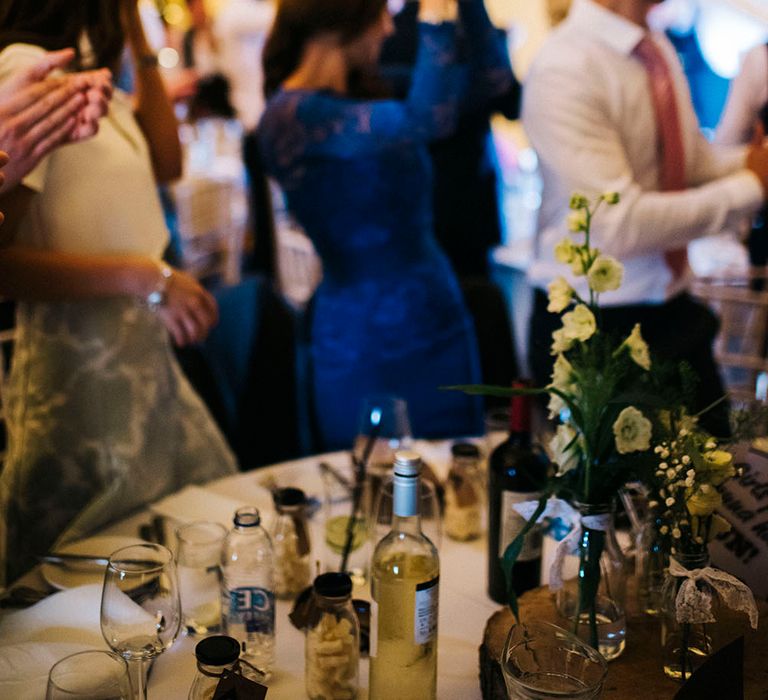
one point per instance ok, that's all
(218, 650)
(333, 585)
(465, 449)
(288, 497)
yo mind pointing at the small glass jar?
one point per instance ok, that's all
(464, 492)
(651, 561)
(291, 542)
(216, 657)
(686, 645)
(332, 643)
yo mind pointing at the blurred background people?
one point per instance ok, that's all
(241, 28)
(100, 418)
(598, 109)
(388, 315)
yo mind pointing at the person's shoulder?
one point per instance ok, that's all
(755, 63)
(241, 16)
(565, 50)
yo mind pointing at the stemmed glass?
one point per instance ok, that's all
(140, 607)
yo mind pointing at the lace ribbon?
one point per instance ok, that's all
(694, 605)
(591, 522)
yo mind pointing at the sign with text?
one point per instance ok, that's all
(743, 551)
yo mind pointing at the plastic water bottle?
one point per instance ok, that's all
(248, 594)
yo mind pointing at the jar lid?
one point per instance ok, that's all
(465, 449)
(333, 585)
(288, 497)
(217, 650)
(247, 516)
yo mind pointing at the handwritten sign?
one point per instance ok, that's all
(743, 551)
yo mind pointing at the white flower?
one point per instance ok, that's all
(565, 251)
(560, 343)
(605, 274)
(610, 197)
(565, 457)
(676, 533)
(638, 348)
(579, 324)
(663, 529)
(560, 295)
(686, 459)
(669, 502)
(577, 221)
(632, 431)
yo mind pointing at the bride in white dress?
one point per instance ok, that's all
(100, 418)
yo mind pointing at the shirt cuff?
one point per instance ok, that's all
(745, 192)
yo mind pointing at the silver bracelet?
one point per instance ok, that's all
(156, 298)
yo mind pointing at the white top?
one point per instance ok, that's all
(98, 196)
(747, 96)
(588, 111)
(241, 27)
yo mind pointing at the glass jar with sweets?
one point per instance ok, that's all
(332, 642)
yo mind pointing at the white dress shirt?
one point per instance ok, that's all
(588, 111)
(747, 96)
(241, 27)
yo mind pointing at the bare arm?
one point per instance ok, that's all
(153, 108)
(26, 273)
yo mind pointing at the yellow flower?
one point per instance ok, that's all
(566, 458)
(578, 201)
(562, 379)
(559, 342)
(704, 501)
(610, 197)
(605, 274)
(579, 324)
(560, 295)
(638, 348)
(577, 221)
(632, 431)
(565, 251)
(718, 526)
(719, 465)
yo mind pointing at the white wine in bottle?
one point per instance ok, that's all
(405, 573)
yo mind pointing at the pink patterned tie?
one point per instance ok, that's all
(671, 155)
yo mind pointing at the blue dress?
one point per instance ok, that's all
(388, 316)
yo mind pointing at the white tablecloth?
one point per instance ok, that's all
(464, 605)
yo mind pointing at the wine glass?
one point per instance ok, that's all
(89, 675)
(429, 511)
(384, 429)
(140, 607)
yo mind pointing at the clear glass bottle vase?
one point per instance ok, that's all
(686, 645)
(651, 561)
(593, 603)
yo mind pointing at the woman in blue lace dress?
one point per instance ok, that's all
(354, 166)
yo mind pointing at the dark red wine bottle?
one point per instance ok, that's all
(517, 471)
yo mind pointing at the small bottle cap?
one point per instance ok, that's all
(407, 463)
(333, 585)
(289, 497)
(217, 650)
(465, 449)
(248, 516)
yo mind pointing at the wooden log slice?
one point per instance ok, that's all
(637, 673)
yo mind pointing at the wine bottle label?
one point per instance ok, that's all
(511, 522)
(425, 611)
(373, 632)
(253, 607)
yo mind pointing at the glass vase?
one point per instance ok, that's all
(593, 604)
(686, 645)
(651, 561)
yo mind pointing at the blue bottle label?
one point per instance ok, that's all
(253, 607)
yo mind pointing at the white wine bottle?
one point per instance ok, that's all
(405, 572)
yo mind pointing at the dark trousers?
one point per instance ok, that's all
(680, 329)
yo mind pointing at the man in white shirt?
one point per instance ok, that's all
(592, 112)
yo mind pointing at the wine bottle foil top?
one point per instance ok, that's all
(407, 463)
